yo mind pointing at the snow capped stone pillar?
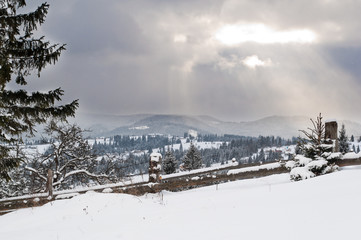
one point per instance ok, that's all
(331, 133)
(155, 167)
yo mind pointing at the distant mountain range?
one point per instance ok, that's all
(283, 126)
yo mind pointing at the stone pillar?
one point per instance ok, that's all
(331, 133)
(155, 167)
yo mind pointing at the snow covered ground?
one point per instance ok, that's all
(326, 207)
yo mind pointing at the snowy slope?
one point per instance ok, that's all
(325, 207)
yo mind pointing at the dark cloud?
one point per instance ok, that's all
(348, 58)
(91, 28)
(160, 56)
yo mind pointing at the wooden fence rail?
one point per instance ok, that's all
(176, 183)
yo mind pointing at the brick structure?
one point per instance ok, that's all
(155, 167)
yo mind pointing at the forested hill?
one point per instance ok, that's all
(177, 125)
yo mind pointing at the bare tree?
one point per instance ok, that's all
(69, 156)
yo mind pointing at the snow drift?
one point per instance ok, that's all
(325, 207)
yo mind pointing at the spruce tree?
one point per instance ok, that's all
(315, 150)
(192, 160)
(22, 54)
(169, 163)
(344, 148)
(261, 156)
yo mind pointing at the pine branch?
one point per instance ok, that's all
(20, 55)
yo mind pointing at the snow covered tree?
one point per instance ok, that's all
(352, 138)
(169, 163)
(317, 158)
(315, 144)
(20, 182)
(344, 148)
(69, 157)
(249, 161)
(192, 159)
(17, 186)
(261, 156)
(21, 54)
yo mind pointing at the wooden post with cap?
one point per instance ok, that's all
(155, 167)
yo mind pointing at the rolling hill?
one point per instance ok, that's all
(283, 126)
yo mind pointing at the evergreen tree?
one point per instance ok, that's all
(169, 163)
(261, 156)
(192, 160)
(21, 54)
(316, 139)
(315, 148)
(352, 138)
(358, 149)
(344, 148)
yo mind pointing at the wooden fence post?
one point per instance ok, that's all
(155, 167)
(49, 184)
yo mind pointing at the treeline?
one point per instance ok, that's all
(135, 150)
(246, 148)
(122, 144)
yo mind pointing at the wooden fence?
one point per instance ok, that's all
(174, 183)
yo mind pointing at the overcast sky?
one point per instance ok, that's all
(232, 59)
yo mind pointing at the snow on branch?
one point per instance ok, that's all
(80, 171)
(36, 172)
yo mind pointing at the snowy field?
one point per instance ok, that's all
(326, 207)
